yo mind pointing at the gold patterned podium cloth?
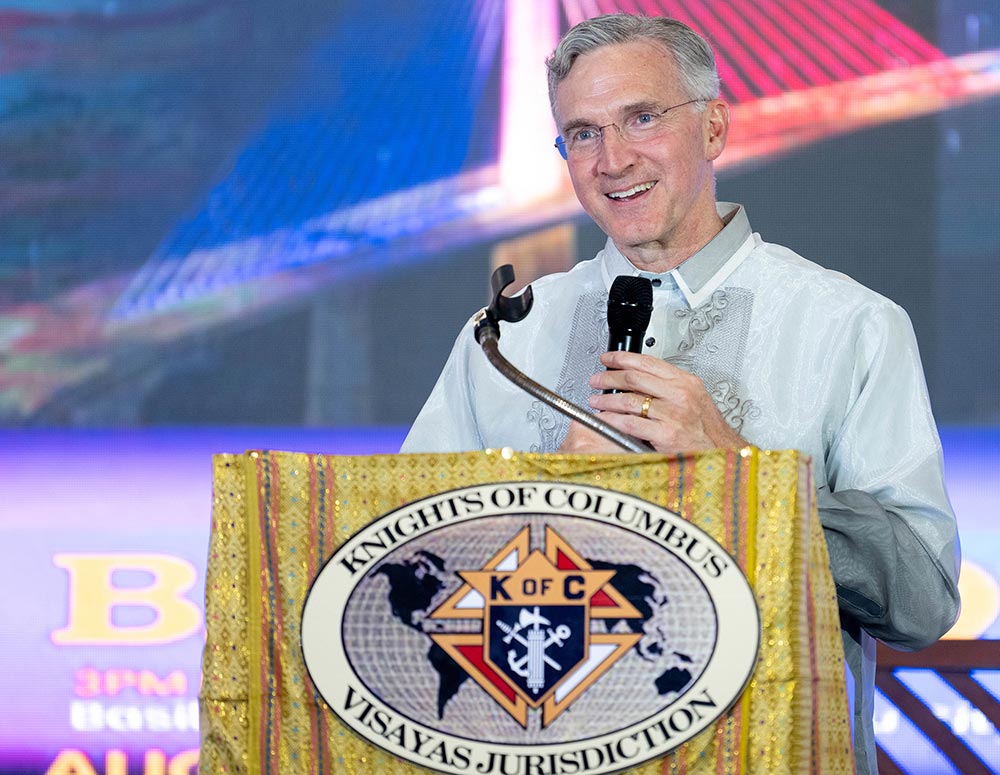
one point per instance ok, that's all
(277, 516)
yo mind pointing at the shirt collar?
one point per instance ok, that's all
(700, 275)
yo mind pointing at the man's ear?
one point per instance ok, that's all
(716, 126)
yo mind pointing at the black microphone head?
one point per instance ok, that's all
(630, 305)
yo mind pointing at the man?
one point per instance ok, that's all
(748, 343)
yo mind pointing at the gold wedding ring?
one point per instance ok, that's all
(645, 406)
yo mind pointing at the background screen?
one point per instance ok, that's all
(237, 225)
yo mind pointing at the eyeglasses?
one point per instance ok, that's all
(640, 126)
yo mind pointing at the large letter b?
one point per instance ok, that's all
(93, 596)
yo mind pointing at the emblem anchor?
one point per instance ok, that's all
(531, 664)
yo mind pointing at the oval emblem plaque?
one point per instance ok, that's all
(530, 627)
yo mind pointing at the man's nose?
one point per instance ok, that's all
(616, 152)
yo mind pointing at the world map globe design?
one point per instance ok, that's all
(388, 624)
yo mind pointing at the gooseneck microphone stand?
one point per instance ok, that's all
(512, 309)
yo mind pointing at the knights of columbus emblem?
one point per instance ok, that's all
(537, 646)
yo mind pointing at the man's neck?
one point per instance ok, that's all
(657, 257)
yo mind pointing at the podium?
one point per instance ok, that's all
(279, 516)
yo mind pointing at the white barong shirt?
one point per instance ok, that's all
(795, 356)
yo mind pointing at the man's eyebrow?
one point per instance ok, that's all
(576, 124)
(626, 110)
(639, 107)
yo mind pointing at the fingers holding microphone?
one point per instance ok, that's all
(630, 307)
(644, 396)
(629, 392)
(659, 403)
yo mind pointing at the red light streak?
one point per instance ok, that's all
(868, 14)
(847, 39)
(731, 80)
(808, 41)
(729, 47)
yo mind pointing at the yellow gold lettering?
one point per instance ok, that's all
(71, 763)
(115, 763)
(184, 763)
(156, 762)
(93, 597)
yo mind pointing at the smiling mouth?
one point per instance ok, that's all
(631, 193)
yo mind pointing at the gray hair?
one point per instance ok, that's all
(692, 54)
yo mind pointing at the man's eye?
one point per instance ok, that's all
(642, 119)
(586, 135)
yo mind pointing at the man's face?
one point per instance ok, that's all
(655, 199)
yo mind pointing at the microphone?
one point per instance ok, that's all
(630, 305)
(513, 309)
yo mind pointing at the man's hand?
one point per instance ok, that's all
(680, 415)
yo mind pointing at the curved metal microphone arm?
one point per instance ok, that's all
(487, 333)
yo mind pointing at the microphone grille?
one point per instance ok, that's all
(630, 302)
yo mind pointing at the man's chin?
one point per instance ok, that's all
(630, 240)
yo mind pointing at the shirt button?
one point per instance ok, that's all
(656, 282)
(650, 342)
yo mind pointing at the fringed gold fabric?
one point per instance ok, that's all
(277, 516)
